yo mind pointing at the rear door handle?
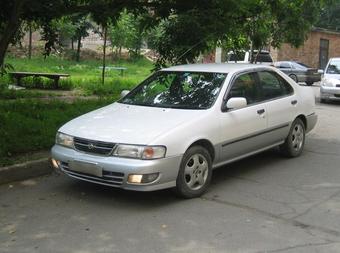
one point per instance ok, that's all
(294, 102)
(261, 111)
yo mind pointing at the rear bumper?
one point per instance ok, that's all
(313, 79)
(115, 170)
(311, 121)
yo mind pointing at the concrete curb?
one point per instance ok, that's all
(25, 170)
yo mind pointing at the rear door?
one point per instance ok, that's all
(281, 103)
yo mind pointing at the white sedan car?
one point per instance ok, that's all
(182, 122)
(330, 83)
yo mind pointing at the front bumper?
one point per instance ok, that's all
(115, 170)
(330, 93)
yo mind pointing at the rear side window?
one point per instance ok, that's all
(273, 86)
(284, 65)
(245, 86)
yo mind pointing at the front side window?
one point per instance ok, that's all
(176, 89)
(333, 67)
(245, 86)
(273, 86)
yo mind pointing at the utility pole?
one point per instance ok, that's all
(30, 41)
(104, 53)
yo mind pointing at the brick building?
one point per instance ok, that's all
(321, 45)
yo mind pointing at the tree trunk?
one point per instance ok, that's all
(78, 49)
(72, 46)
(104, 53)
(10, 29)
(30, 42)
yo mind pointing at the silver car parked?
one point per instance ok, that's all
(330, 84)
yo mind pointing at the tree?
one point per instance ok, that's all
(127, 32)
(184, 35)
(189, 27)
(330, 16)
(13, 13)
(82, 25)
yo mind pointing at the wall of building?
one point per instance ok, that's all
(309, 53)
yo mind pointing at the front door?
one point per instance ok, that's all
(240, 128)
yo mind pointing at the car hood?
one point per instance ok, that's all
(332, 76)
(121, 123)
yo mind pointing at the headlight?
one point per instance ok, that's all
(140, 152)
(64, 140)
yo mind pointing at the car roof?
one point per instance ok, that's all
(216, 67)
(335, 58)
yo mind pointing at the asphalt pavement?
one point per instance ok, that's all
(265, 203)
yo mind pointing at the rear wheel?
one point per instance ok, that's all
(295, 140)
(195, 172)
(294, 77)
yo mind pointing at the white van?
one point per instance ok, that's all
(263, 57)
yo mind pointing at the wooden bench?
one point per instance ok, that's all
(53, 76)
(121, 69)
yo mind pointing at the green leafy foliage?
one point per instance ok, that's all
(127, 33)
(31, 125)
(330, 16)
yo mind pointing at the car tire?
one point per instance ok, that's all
(195, 172)
(309, 83)
(323, 100)
(295, 141)
(294, 77)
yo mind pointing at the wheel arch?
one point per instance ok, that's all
(206, 144)
(303, 119)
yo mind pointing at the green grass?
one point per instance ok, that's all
(30, 125)
(84, 75)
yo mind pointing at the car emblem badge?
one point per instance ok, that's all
(90, 146)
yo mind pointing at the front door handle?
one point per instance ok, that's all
(261, 111)
(294, 102)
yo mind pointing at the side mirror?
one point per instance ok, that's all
(236, 103)
(320, 71)
(124, 93)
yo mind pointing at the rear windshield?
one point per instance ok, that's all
(239, 56)
(263, 57)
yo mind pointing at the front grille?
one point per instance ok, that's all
(338, 85)
(109, 177)
(93, 147)
(337, 95)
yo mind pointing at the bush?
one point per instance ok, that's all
(31, 125)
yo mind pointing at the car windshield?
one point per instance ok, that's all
(183, 90)
(333, 67)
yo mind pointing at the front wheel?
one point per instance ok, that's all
(194, 174)
(295, 140)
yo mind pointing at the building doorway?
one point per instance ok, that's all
(323, 55)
